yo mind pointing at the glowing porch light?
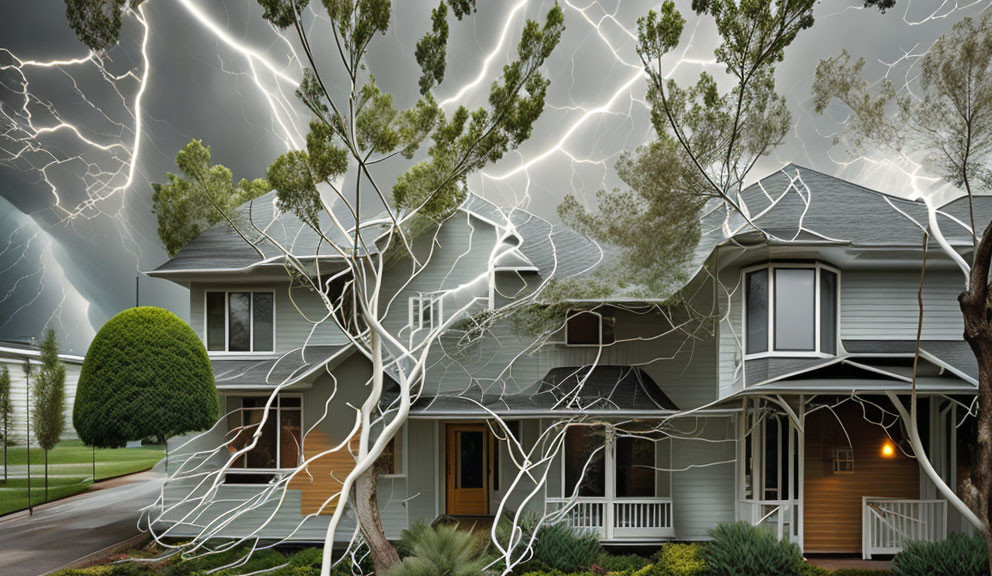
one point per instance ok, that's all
(888, 450)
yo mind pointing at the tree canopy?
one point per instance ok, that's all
(97, 23)
(48, 411)
(146, 374)
(204, 195)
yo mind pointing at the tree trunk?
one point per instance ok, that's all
(977, 316)
(46, 475)
(367, 510)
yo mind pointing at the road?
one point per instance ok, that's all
(63, 532)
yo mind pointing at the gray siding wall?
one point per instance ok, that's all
(19, 396)
(882, 305)
(299, 313)
(703, 476)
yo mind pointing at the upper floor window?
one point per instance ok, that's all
(240, 321)
(426, 311)
(589, 328)
(791, 309)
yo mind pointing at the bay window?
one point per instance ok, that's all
(791, 309)
(240, 321)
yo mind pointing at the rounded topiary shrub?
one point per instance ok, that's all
(146, 374)
(740, 548)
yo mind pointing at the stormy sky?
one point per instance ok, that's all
(76, 226)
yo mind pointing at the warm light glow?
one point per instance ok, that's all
(888, 450)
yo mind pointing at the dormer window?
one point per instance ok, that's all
(791, 310)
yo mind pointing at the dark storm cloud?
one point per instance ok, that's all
(199, 87)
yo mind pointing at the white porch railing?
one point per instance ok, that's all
(619, 519)
(780, 516)
(888, 523)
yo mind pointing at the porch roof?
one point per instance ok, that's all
(604, 389)
(954, 355)
(268, 372)
(924, 385)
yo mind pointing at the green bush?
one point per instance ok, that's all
(959, 555)
(558, 547)
(679, 560)
(626, 563)
(440, 551)
(146, 374)
(740, 548)
(308, 557)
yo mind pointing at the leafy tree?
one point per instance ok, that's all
(655, 221)
(48, 411)
(6, 412)
(947, 121)
(205, 194)
(97, 23)
(882, 5)
(146, 374)
(359, 127)
(708, 140)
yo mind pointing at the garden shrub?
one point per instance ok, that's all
(739, 548)
(558, 547)
(621, 563)
(146, 374)
(679, 560)
(959, 555)
(440, 551)
(308, 557)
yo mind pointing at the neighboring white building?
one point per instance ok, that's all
(14, 355)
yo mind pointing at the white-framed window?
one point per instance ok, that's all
(426, 311)
(240, 321)
(392, 462)
(589, 328)
(280, 446)
(843, 461)
(791, 310)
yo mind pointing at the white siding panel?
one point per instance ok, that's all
(882, 305)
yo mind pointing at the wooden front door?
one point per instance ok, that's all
(467, 469)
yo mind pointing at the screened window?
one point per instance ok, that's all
(843, 461)
(280, 444)
(589, 328)
(585, 461)
(791, 309)
(240, 321)
(635, 467)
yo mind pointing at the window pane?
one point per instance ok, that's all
(635, 468)
(580, 442)
(828, 312)
(471, 464)
(290, 437)
(794, 309)
(215, 321)
(262, 321)
(239, 322)
(263, 455)
(757, 311)
(582, 328)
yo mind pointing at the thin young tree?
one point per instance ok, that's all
(943, 119)
(48, 411)
(6, 412)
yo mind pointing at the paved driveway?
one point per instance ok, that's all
(63, 532)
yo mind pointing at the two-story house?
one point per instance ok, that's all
(767, 394)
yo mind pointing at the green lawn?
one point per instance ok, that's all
(70, 469)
